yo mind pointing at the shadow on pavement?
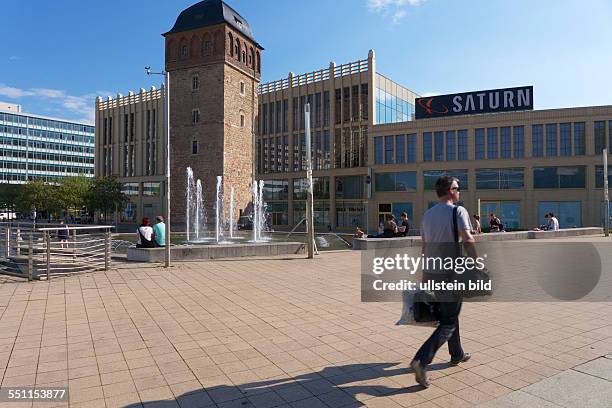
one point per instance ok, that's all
(330, 386)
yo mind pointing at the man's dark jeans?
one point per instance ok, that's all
(447, 331)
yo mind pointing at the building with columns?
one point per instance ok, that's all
(372, 157)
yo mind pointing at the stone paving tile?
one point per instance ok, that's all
(251, 333)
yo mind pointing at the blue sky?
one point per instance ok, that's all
(58, 55)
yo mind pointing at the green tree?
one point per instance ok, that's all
(72, 193)
(8, 195)
(106, 195)
(35, 195)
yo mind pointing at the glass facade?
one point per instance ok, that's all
(397, 181)
(431, 176)
(599, 130)
(393, 102)
(537, 141)
(350, 214)
(427, 147)
(551, 139)
(479, 143)
(579, 139)
(569, 213)
(509, 212)
(500, 179)
(559, 177)
(518, 141)
(34, 147)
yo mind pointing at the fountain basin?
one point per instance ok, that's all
(199, 252)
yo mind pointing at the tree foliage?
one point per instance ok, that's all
(106, 195)
(72, 192)
(35, 195)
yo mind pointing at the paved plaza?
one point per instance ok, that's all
(284, 332)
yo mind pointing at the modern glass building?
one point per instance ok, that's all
(371, 157)
(39, 147)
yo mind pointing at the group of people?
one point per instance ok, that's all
(495, 224)
(389, 229)
(151, 236)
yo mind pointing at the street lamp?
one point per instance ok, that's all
(166, 96)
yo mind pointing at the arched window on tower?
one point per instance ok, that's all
(251, 56)
(231, 44)
(258, 62)
(206, 45)
(237, 49)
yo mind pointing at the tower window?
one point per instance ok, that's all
(184, 51)
(244, 57)
(194, 147)
(241, 120)
(241, 88)
(195, 83)
(195, 116)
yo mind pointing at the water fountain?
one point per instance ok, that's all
(219, 211)
(231, 214)
(189, 197)
(199, 209)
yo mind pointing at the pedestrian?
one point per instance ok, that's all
(404, 227)
(146, 235)
(553, 222)
(438, 238)
(62, 234)
(477, 229)
(159, 229)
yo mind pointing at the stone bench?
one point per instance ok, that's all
(407, 242)
(200, 252)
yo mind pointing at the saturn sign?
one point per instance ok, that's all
(469, 103)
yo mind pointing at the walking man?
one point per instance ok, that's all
(438, 237)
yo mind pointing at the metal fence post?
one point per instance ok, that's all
(18, 240)
(7, 242)
(48, 244)
(74, 237)
(107, 250)
(30, 255)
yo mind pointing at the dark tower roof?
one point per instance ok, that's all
(211, 12)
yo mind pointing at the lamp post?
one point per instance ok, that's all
(309, 198)
(606, 195)
(166, 96)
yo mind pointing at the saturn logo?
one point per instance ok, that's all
(426, 103)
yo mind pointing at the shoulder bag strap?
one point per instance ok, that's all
(455, 229)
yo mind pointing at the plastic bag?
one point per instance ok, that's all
(408, 309)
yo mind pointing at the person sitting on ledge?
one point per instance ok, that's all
(159, 229)
(146, 236)
(389, 228)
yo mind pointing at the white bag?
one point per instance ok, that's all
(407, 317)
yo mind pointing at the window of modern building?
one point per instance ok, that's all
(411, 148)
(559, 177)
(151, 189)
(195, 83)
(338, 106)
(505, 142)
(285, 115)
(509, 212)
(355, 111)
(439, 146)
(350, 214)
(195, 116)
(320, 188)
(479, 143)
(349, 187)
(537, 141)
(364, 101)
(272, 118)
(565, 139)
(427, 147)
(276, 190)
(392, 103)
(400, 149)
(569, 213)
(518, 141)
(194, 147)
(378, 150)
(599, 179)
(500, 179)
(579, 139)
(551, 140)
(492, 143)
(462, 144)
(131, 189)
(295, 113)
(431, 176)
(326, 108)
(317, 109)
(395, 181)
(451, 145)
(346, 104)
(599, 130)
(264, 118)
(279, 212)
(388, 149)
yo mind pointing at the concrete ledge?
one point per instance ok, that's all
(361, 244)
(199, 252)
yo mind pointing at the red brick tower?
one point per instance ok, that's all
(215, 66)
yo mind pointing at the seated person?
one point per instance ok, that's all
(403, 228)
(389, 228)
(495, 224)
(146, 236)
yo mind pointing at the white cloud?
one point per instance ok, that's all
(396, 9)
(76, 106)
(13, 58)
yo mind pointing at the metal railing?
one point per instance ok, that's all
(41, 252)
